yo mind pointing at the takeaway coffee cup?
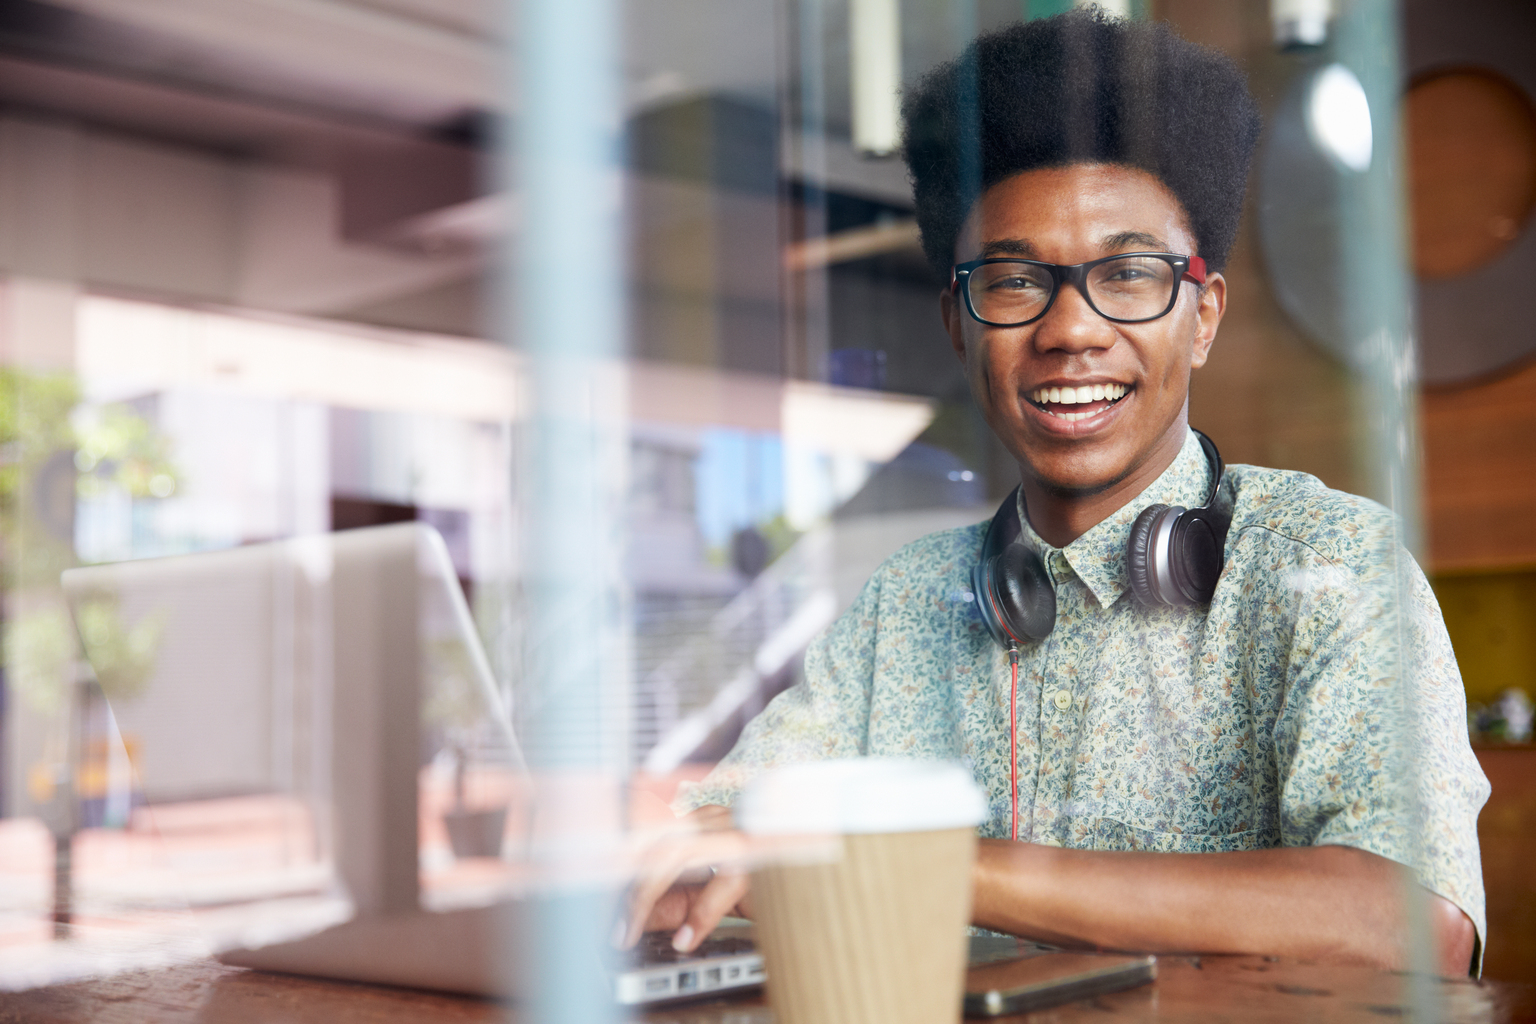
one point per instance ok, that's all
(869, 929)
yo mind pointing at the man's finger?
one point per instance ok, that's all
(656, 877)
(662, 868)
(671, 909)
(710, 904)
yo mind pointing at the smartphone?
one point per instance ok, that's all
(1048, 979)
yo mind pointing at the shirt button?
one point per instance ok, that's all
(1063, 700)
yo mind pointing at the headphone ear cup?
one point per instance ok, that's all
(1197, 561)
(1026, 599)
(1014, 595)
(1140, 559)
(1174, 555)
(986, 603)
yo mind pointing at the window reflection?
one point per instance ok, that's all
(261, 294)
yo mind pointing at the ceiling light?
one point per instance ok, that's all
(1339, 117)
(874, 40)
(1300, 22)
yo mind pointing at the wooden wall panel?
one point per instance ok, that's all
(1480, 473)
(1491, 618)
(1504, 832)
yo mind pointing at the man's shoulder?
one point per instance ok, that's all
(1289, 508)
(936, 556)
(920, 587)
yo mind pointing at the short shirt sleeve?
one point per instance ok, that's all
(1371, 743)
(825, 715)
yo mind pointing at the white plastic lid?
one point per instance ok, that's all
(861, 795)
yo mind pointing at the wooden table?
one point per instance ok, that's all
(1207, 990)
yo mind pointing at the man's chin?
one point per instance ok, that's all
(1087, 467)
(1078, 481)
(1075, 489)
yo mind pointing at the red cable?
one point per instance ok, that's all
(1013, 737)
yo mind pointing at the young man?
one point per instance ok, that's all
(1258, 769)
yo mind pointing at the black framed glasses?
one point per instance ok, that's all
(1127, 288)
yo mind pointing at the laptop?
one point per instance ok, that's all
(320, 740)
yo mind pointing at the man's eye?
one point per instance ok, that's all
(1016, 283)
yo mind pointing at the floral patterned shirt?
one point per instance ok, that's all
(1315, 701)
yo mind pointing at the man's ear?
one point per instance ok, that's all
(949, 309)
(1212, 307)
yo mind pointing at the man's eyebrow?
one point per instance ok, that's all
(1021, 247)
(1133, 239)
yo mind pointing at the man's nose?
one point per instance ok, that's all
(1072, 325)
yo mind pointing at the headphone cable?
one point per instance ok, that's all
(1013, 737)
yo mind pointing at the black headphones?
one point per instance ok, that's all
(1173, 557)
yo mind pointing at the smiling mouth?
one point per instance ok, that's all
(1077, 403)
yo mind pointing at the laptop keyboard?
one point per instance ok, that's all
(655, 972)
(656, 948)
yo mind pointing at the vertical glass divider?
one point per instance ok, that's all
(566, 269)
(1378, 304)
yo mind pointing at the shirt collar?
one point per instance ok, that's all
(1098, 556)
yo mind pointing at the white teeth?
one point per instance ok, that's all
(1078, 396)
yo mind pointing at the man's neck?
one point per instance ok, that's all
(1060, 518)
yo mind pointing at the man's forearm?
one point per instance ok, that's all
(1329, 903)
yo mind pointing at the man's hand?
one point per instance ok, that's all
(677, 886)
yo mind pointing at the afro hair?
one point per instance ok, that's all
(1081, 87)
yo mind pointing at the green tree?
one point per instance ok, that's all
(53, 450)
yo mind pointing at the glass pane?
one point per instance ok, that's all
(445, 445)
